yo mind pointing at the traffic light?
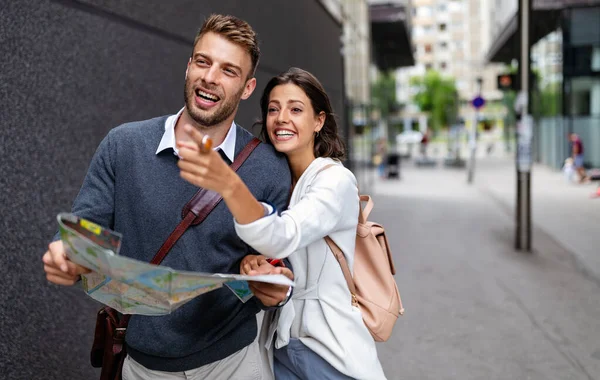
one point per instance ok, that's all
(507, 82)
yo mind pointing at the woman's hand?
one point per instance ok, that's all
(204, 167)
(252, 263)
(269, 294)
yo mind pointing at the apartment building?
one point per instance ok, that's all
(450, 36)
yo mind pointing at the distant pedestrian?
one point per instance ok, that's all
(381, 156)
(424, 142)
(569, 169)
(577, 155)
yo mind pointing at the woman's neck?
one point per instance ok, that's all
(299, 163)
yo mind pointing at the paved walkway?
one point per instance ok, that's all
(475, 308)
(560, 209)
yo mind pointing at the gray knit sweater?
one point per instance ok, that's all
(130, 189)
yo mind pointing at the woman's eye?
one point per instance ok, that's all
(296, 110)
(271, 110)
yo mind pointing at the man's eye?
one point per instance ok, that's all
(230, 72)
(201, 62)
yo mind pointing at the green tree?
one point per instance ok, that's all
(438, 97)
(548, 102)
(383, 94)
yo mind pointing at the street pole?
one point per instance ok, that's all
(473, 136)
(524, 134)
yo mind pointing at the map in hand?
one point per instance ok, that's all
(136, 287)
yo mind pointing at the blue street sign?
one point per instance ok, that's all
(478, 102)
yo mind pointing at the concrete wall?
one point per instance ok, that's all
(69, 72)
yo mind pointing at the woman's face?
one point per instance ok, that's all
(291, 120)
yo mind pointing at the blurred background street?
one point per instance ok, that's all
(475, 308)
(431, 101)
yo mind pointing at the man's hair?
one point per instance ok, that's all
(235, 30)
(328, 142)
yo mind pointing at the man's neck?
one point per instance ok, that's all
(216, 132)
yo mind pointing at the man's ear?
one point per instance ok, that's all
(249, 88)
(188, 67)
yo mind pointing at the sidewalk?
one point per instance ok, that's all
(562, 210)
(475, 308)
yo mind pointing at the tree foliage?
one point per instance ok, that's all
(438, 97)
(383, 93)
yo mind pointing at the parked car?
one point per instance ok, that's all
(409, 137)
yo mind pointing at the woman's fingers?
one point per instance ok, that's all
(286, 272)
(192, 155)
(200, 165)
(193, 167)
(251, 262)
(203, 141)
(189, 145)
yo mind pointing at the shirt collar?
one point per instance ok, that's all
(168, 138)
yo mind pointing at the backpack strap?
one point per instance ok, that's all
(325, 167)
(337, 252)
(363, 214)
(341, 259)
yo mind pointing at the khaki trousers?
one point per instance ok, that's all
(246, 364)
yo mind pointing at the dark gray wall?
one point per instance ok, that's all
(69, 72)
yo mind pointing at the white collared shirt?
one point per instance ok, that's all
(168, 139)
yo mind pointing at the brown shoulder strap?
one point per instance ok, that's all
(195, 211)
(201, 204)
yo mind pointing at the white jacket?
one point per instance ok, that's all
(320, 313)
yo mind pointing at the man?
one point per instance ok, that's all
(577, 155)
(134, 186)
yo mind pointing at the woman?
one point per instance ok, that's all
(318, 334)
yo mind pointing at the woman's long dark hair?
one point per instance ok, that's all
(327, 142)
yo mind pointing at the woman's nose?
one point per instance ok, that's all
(282, 117)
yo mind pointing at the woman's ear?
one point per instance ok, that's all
(320, 121)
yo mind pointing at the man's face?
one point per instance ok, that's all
(216, 80)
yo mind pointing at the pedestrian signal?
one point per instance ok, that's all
(507, 82)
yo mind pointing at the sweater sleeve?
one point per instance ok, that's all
(329, 204)
(95, 200)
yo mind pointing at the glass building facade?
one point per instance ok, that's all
(567, 65)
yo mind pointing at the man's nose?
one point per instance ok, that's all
(211, 75)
